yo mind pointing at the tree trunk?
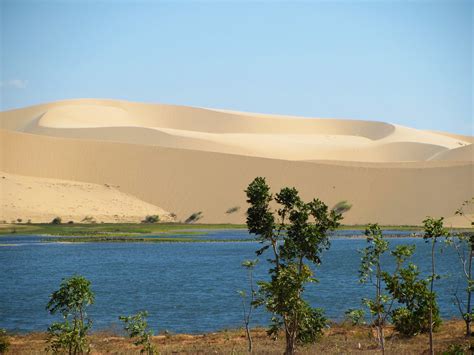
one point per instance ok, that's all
(469, 311)
(431, 289)
(249, 337)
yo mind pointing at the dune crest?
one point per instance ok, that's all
(258, 135)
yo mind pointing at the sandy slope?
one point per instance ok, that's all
(188, 159)
(40, 200)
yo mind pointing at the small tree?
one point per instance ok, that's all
(462, 241)
(371, 271)
(71, 301)
(433, 229)
(136, 327)
(247, 307)
(296, 233)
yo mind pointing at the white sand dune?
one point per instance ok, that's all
(40, 200)
(187, 159)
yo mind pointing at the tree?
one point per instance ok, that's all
(71, 301)
(462, 241)
(371, 271)
(247, 309)
(136, 326)
(296, 233)
(433, 229)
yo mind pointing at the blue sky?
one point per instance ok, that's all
(406, 62)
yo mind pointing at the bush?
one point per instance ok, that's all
(4, 343)
(56, 220)
(312, 324)
(70, 222)
(196, 216)
(355, 316)
(151, 219)
(412, 292)
(136, 327)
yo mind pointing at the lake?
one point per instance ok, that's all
(186, 287)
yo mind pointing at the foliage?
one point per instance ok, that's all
(296, 233)
(408, 289)
(196, 216)
(89, 219)
(151, 219)
(232, 210)
(71, 300)
(370, 271)
(433, 229)
(355, 316)
(56, 220)
(4, 343)
(136, 326)
(247, 310)
(463, 243)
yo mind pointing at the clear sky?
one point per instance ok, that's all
(405, 62)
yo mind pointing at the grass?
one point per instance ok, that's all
(139, 232)
(339, 338)
(100, 229)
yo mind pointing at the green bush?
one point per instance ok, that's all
(412, 292)
(136, 327)
(355, 316)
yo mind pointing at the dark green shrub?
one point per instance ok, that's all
(56, 220)
(151, 219)
(196, 216)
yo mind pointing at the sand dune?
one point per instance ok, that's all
(39, 200)
(188, 159)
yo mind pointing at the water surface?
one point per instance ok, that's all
(186, 287)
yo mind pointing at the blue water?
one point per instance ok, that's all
(186, 287)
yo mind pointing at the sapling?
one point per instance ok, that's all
(71, 301)
(433, 229)
(462, 241)
(136, 326)
(247, 307)
(371, 271)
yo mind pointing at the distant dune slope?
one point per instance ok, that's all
(39, 200)
(259, 135)
(186, 159)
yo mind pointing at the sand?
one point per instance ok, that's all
(39, 200)
(187, 159)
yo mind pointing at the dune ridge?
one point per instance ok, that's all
(186, 159)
